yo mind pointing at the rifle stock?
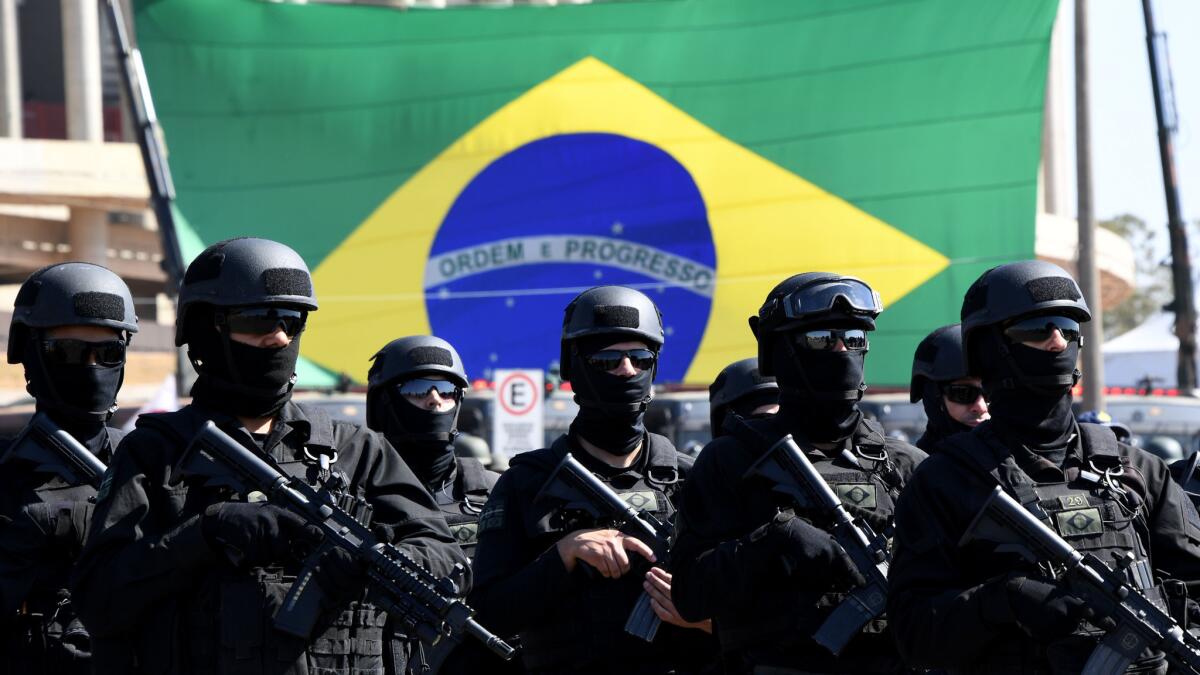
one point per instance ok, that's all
(1133, 623)
(425, 605)
(52, 450)
(791, 473)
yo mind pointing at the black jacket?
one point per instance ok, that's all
(43, 524)
(727, 569)
(152, 587)
(573, 622)
(945, 598)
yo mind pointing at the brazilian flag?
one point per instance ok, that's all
(465, 172)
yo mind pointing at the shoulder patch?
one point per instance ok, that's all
(492, 517)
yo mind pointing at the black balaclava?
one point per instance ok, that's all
(80, 399)
(941, 424)
(235, 378)
(612, 409)
(818, 390)
(1029, 390)
(424, 438)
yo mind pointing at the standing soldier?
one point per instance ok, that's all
(414, 395)
(191, 574)
(70, 328)
(762, 567)
(953, 399)
(565, 583)
(968, 607)
(741, 389)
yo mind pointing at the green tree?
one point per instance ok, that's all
(1152, 283)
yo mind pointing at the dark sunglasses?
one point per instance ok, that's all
(420, 388)
(73, 352)
(964, 394)
(264, 320)
(825, 340)
(1040, 328)
(610, 359)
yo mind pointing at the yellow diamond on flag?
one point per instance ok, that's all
(767, 223)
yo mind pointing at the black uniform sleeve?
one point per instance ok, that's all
(1174, 523)
(516, 585)
(716, 568)
(406, 508)
(136, 555)
(939, 619)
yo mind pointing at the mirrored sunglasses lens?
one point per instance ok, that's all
(420, 388)
(818, 340)
(110, 353)
(266, 320)
(855, 340)
(642, 359)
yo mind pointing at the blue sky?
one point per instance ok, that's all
(1125, 161)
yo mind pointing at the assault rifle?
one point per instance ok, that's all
(574, 485)
(1132, 622)
(792, 474)
(425, 606)
(53, 450)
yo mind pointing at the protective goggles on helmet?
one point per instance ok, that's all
(1041, 328)
(263, 320)
(826, 295)
(421, 387)
(610, 359)
(825, 340)
(74, 352)
(963, 394)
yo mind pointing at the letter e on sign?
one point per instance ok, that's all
(517, 420)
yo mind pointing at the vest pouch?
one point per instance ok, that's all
(353, 643)
(248, 641)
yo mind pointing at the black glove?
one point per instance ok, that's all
(810, 555)
(341, 575)
(1042, 610)
(254, 533)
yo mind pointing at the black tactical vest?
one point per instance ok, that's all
(47, 636)
(227, 624)
(590, 629)
(463, 501)
(868, 484)
(1097, 508)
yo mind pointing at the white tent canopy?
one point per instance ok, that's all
(1150, 350)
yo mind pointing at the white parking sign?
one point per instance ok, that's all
(517, 417)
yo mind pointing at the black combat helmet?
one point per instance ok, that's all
(610, 310)
(72, 293)
(939, 358)
(734, 383)
(406, 357)
(244, 272)
(1016, 290)
(808, 299)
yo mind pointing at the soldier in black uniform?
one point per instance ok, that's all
(71, 325)
(953, 399)
(769, 575)
(970, 608)
(741, 389)
(189, 576)
(414, 389)
(565, 585)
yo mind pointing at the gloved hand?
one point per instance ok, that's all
(340, 575)
(253, 533)
(1042, 610)
(811, 556)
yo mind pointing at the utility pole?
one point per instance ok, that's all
(1089, 275)
(1183, 304)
